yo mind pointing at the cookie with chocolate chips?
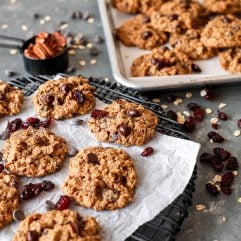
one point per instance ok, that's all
(11, 99)
(101, 178)
(64, 98)
(52, 225)
(123, 123)
(34, 152)
(223, 6)
(9, 198)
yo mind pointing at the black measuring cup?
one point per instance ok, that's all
(56, 64)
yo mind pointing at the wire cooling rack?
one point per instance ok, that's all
(166, 224)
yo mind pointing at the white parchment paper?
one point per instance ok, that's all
(161, 177)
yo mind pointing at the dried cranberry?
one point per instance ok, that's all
(196, 68)
(226, 190)
(215, 126)
(215, 137)
(206, 158)
(173, 17)
(222, 115)
(171, 98)
(193, 106)
(172, 115)
(14, 125)
(221, 154)
(63, 202)
(124, 130)
(65, 88)
(189, 124)
(209, 94)
(27, 193)
(45, 123)
(78, 96)
(239, 123)
(1, 167)
(24, 125)
(158, 63)
(2, 97)
(92, 158)
(147, 151)
(32, 236)
(133, 113)
(47, 185)
(227, 179)
(212, 189)
(199, 114)
(232, 164)
(32, 121)
(147, 34)
(48, 99)
(217, 165)
(99, 114)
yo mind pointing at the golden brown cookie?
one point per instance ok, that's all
(222, 32)
(66, 225)
(101, 178)
(223, 6)
(64, 98)
(230, 60)
(9, 198)
(34, 152)
(11, 99)
(190, 44)
(163, 61)
(123, 122)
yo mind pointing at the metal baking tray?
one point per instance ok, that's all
(121, 58)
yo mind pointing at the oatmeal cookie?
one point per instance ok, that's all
(124, 123)
(230, 60)
(101, 178)
(64, 98)
(190, 44)
(223, 6)
(9, 198)
(11, 99)
(66, 225)
(34, 152)
(222, 32)
(163, 61)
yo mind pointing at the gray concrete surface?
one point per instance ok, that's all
(199, 226)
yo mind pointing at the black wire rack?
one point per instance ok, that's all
(167, 223)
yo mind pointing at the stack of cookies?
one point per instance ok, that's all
(194, 31)
(98, 178)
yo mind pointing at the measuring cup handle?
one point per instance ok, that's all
(5, 45)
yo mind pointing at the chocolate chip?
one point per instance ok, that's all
(70, 69)
(18, 215)
(226, 19)
(94, 51)
(72, 151)
(196, 68)
(32, 236)
(65, 88)
(60, 101)
(4, 135)
(1, 157)
(99, 40)
(49, 205)
(36, 15)
(147, 34)
(133, 113)
(9, 73)
(124, 130)
(2, 97)
(92, 158)
(146, 19)
(79, 122)
(78, 96)
(173, 17)
(48, 99)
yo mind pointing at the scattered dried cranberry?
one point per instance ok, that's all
(209, 94)
(78, 96)
(189, 124)
(124, 130)
(193, 106)
(99, 114)
(222, 115)
(133, 113)
(217, 165)
(206, 158)
(65, 88)
(32, 121)
(45, 123)
(239, 123)
(171, 98)
(63, 202)
(215, 126)
(221, 154)
(172, 115)
(232, 164)
(215, 137)
(147, 34)
(212, 189)
(1, 167)
(47, 185)
(196, 68)
(48, 99)
(199, 114)
(227, 179)
(14, 125)
(147, 151)
(226, 190)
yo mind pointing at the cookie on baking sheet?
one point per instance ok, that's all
(163, 61)
(9, 198)
(138, 32)
(34, 152)
(101, 178)
(190, 44)
(230, 59)
(223, 6)
(123, 122)
(66, 225)
(11, 99)
(64, 98)
(222, 32)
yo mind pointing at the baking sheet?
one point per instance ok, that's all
(162, 177)
(121, 58)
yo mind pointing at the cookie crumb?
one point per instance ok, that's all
(4, 26)
(214, 120)
(47, 18)
(239, 200)
(93, 61)
(188, 95)
(71, 52)
(164, 107)
(24, 28)
(224, 219)
(203, 93)
(237, 133)
(90, 20)
(186, 113)
(156, 100)
(41, 21)
(13, 51)
(180, 118)
(235, 173)
(82, 62)
(200, 207)
(89, 45)
(222, 105)
(209, 111)
(178, 101)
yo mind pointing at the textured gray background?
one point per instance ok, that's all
(199, 226)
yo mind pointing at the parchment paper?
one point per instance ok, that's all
(161, 178)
